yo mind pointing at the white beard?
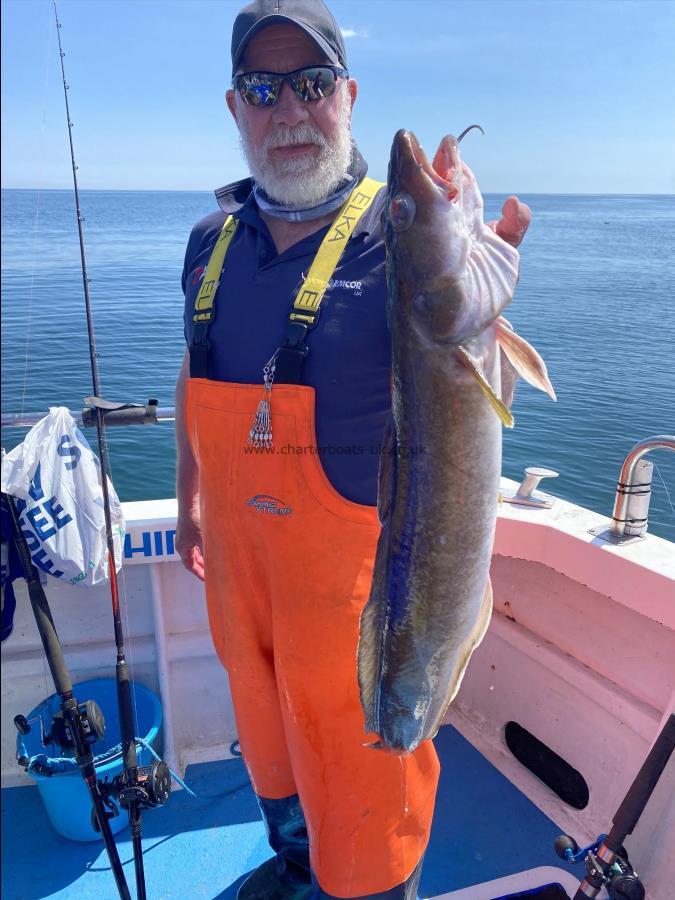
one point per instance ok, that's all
(305, 181)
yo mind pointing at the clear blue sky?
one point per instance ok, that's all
(574, 96)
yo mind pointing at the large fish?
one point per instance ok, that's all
(449, 277)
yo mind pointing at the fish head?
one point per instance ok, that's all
(449, 274)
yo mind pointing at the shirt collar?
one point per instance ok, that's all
(237, 199)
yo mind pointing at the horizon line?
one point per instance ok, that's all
(212, 191)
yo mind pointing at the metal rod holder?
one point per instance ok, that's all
(631, 502)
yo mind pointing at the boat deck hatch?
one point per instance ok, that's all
(556, 773)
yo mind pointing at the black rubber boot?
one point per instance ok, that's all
(286, 876)
(405, 891)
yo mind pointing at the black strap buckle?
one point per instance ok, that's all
(199, 351)
(296, 332)
(291, 356)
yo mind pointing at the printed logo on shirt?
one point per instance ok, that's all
(343, 283)
(198, 274)
(265, 503)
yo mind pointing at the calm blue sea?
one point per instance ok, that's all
(596, 297)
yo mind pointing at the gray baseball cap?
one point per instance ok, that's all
(311, 16)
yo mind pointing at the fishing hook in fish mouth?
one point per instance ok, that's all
(467, 130)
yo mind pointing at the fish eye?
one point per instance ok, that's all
(402, 212)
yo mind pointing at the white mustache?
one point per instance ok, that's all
(287, 136)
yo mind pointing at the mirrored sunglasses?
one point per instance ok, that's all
(310, 83)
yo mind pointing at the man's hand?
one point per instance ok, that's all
(514, 221)
(188, 544)
(188, 541)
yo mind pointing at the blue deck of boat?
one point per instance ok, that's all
(484, 828)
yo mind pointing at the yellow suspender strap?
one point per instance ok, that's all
(307, 302)
(207, 292)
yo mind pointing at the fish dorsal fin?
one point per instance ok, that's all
(387, 472)
(523, 357)
(372, 631)
(474, 366)
(372, 634)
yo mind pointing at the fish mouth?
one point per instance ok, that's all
(409, 161)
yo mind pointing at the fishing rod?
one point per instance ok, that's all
(606, 862)
(79, 725)
(135, 788)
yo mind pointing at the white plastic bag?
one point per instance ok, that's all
(56, 480)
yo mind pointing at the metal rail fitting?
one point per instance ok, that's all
(633, 492)
(129, 416)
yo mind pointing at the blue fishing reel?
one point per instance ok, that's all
(603, 868)
(568, 849)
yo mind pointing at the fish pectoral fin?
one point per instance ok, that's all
(387, 472)
(523, 357)
(474, 366)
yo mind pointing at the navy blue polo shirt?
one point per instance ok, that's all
(349, 357)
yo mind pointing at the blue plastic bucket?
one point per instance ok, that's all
(65, 795)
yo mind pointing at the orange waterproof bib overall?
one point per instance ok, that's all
(289, 564)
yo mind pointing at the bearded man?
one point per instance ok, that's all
(279, 418)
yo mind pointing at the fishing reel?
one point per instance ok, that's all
(91, 720)
(93, 726)
(151, 788)
(603, 868)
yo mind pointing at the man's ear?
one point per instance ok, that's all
(353, 89)
(229, 99)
